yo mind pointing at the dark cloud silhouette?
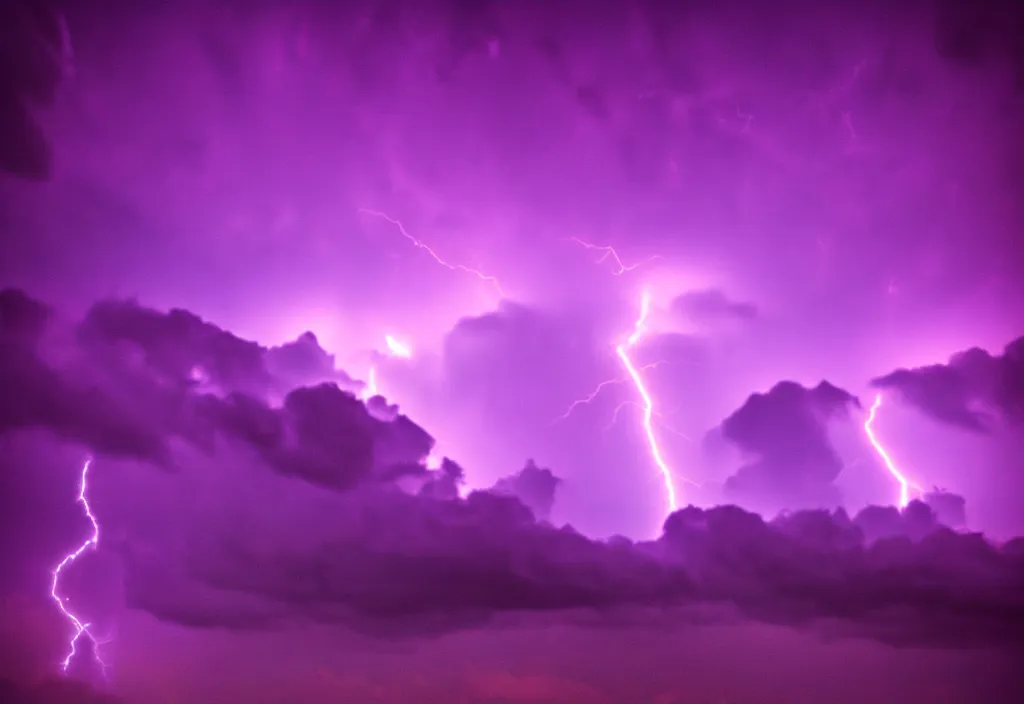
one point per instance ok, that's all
(267, 548)
(785, 432)
(131, 390)
(712, 306)
(968, 34)
(53, 691)
(444, 483)
(33, 58)
(413, 566)
(534, 486)
(966, 391)
(950, 509)
(21, 316)
(182, 347)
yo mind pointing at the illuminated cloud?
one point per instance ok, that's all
(853, 168)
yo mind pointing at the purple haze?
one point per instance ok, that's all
(221, 219)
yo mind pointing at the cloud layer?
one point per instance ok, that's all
(299, 510)
(973, 390)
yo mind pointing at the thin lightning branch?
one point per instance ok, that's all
(81, 628)
(622, 350)
(421, 245)
(904, 483)
(634, 374)
(662, 423)
(597, 392)
(609, 252)
(587, 399)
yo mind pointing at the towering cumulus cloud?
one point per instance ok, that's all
(296, 511)
(784, 431)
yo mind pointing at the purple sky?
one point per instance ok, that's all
(822, 200)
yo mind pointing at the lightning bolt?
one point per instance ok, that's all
(398, 349)
(421, 245)
(81, 628)
(622, 350)
(608, 252)
(633, 373)
(905, 484)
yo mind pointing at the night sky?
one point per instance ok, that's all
(499, 351)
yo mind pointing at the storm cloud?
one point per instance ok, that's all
(379, 559)
(972, 390)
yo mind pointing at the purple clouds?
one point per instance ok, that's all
(302, 514)
(971, 391)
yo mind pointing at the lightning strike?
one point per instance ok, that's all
(398, 349)
(609, 252)
(905, 485)
(622, 350)
(81, 628)
(421, 245)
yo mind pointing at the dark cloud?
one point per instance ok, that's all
(444, 483)
(21, 316)
(181, 347)
(534, 486)
(415, 566)
(39, 396)
(949, 508)
(785, 432)
(712, 306)
(53, 691)
(968, 390)
(33, 60)
(131, 389)
(262, 549)
(321, 434)
(969, 34)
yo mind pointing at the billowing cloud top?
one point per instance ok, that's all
(968, 389)
(785, 432)
(294, 512)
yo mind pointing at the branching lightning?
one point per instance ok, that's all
(421, 245)
(634, 374)
(905, 484)
(608, 252)
(592, 396)
(622, 350)
(81, 628)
